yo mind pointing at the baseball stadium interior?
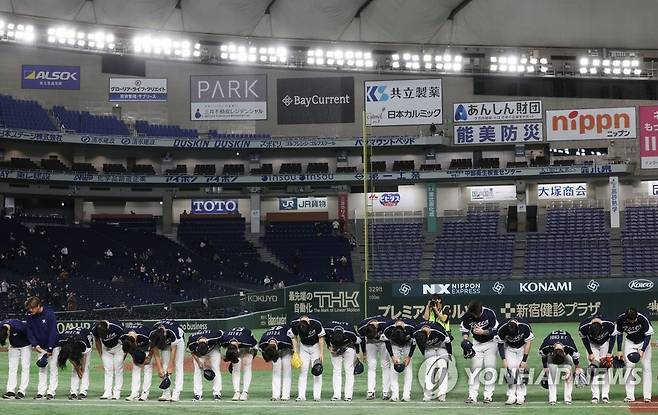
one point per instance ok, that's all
(243, 163)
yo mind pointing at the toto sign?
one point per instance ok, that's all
(640, 285)
(214, 206)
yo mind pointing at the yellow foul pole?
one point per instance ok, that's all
(365, 215)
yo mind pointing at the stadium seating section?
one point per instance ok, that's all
(84, 122)
(307, 248)
(153, 130)
(396, 249)
(576, 243)
(639, 241)
(471, 247)
(27, 115)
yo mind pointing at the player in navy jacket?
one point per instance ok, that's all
(135, 342)
(433, 341)
(560, 359)
(276, 345)
(75, 346)
(19, 351)
(481, 323)
(205, 349)
(42, 334)
(240, 351)
(598, 336)
(107, 333)
(373, 345)
(638, 332)
(514, 338)
(311, 334)
(168, 353)
(400, 346)
(343, 342)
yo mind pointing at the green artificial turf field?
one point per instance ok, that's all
(260, 393)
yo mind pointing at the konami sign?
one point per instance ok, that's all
(591, 124)
(214, 206)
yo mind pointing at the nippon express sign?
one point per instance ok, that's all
(208, 206)
(50, 77)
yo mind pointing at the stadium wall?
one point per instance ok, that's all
(93, 95)
(536, 300)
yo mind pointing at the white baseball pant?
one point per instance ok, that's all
(632, 374)
(484, 361)
(212, 359)
(514, 356)
(136, 380)
(16, 355)
(242, 367)
(345, 360)
(436, 359)
(80, 385)
(178, 368)
(560, 374)
(309, 354)
(48, 386)
(113, 366)
(377, 350)
(282, 376)
(401, 352)
(600, 383)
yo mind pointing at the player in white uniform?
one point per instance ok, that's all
(276, 345)
(597, 334)
(560, 359)
(135, 342)
(514, 338)
(75, 346)
(107, 334)
(400, 346)
(638, 340)
(240, 351)
(168, 354)
(373, 344)
(481, 323)
(205, 349)
(19, 352)
(343, 343)
(311, 349)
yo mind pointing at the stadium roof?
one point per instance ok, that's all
(541, 23)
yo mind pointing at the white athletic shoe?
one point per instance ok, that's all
(595, 400)
(164, 398)
(236, 396)
(144, 397)
(175, 397)
(131, 398)
(647, 400)
(395, 398)
(300, 399)
(520, 401)
(627, 400)
(552, 403)
(510, 401)
(333, 398)
(567, 402)
(442, 398)
(427, 398)
(244, 396)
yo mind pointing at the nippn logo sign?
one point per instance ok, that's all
(591, 124)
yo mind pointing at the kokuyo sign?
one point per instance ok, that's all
(591, 124)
